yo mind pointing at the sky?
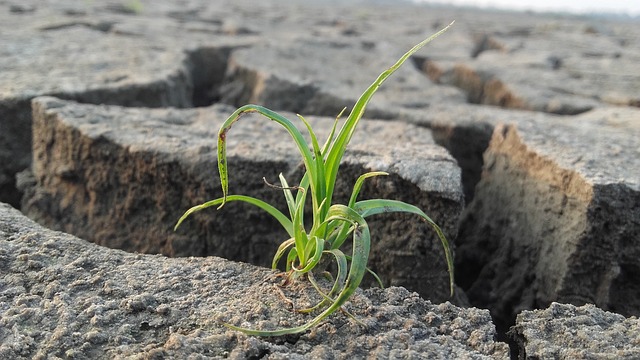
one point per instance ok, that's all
(628, 7)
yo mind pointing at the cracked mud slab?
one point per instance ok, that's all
(564, 331)
(555, 216)
(121, 177)
(62, 296)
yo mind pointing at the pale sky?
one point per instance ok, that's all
(629, 7)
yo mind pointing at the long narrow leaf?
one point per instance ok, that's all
(304, 186)
(330, 138)
(314, 250)
(277, 214)
(291, 258)
(281, 249)
(344, 230)
(319, 186)
(301, 240)
(338, 283)
(328, 299)
(360, 181)
(378, 206)
(341, 237)
(291, 203)
(303, 147)
(337, 149)
(360, 249)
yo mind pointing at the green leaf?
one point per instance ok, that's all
(281, 249)
(291, 203)
(378, 206)
(291, 257)
(303, 147)
(277, 214)
(360, 181)
(315, 246)
(299, 234)
(330, 138)
(301, 240)
(337, 148)
(338, 283)
(319, 187)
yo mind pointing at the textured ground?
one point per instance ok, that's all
(63, 297)
(517, 132)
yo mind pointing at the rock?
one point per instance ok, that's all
(554, 217)
(90, 71)
(466, 129)
(62, 296)
(545, 66)
(121, 177)
(175, 55)
(564, 331)
(310, 77)
(98, 58)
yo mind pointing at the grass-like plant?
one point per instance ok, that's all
(332, 224)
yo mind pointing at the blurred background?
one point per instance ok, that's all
(629, 8)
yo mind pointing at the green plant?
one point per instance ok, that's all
(331, 224)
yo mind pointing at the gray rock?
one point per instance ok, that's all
(169, 54)
(97, 69)
(564, 331)
(93, 55)
(555, 216)
(121, 177)
(551, 65)
(466, 129)
(61, 296)
(311, 77)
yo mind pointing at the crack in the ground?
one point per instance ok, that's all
(486, 88)
(205, 69)
(102, 26)
(195, 83)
